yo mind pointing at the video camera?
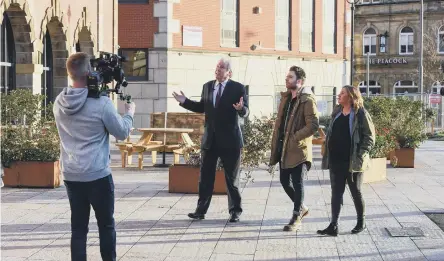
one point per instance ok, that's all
(106, 68)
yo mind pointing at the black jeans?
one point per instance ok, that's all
(339, 176)
(295, 188)
(231, 163)
(100, 195)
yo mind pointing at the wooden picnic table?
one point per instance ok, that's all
(149, 132)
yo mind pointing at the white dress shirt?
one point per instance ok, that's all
(216, 89)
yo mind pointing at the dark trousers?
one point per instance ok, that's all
(292, 181)
(231, 163)
(100, 195)
(339, 176)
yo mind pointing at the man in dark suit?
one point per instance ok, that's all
(222, 101)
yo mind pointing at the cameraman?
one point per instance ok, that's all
(84, 125)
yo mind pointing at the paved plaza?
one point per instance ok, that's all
(152, 223)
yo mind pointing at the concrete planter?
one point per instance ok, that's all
(33, 174)
(185, 179)
(377, 171)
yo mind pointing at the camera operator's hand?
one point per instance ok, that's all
(179, 97)
(130, 108)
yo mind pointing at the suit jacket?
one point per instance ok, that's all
(221, 123)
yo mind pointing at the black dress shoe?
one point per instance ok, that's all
(331, 230)
(359, 227)
(196, 215)
(234, 217)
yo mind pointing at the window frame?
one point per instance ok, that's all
(371, 36)
(373, 85)
(224, 14)
(440, 32)
(302, 47)
(280, 45)
(130, 78)
(48, 68)
(7, 56)
(398, 85)
(401, 34)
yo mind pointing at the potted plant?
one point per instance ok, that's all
(184, 178)
(401, 119)
(30, 146)
(408, 130)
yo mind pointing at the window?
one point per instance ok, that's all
(229, 24)
(406, 41)
(329, 27)
(370, 1)
(436, 87)
(282, 25)
(133, 1)
(382, 44)
(374, 87)
(46, 60)
(405, 87)
(441, 40)
(369, 41)
(136, 65)
(307, 37)
(7, 59)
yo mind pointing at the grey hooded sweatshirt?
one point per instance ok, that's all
(84, 125)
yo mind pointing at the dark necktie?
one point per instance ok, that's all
(219, 94)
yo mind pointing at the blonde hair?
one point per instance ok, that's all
(357, 101)
(78, 65)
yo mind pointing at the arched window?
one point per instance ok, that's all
(441, 40)
(7, 60)
(369, 41)
(406, 41)
(405, 87)
(374, 86)
(47, 80)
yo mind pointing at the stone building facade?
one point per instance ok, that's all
(174, 45)
(390, 31)
(38, 36)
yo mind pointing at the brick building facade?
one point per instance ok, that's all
(38, 36)
(175, 44)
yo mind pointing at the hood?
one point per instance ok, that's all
(71, 100)
(303, 91)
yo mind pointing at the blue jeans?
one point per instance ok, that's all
(100, 195)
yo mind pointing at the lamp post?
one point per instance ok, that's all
(352, 38)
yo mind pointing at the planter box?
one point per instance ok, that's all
(185, 179)
(33, 174)
(377, 171)
(406, 157)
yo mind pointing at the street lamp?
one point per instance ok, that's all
(352, 38)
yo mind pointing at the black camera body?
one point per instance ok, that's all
(107, 68)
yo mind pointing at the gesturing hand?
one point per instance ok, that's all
(179, 97)
(238, 106)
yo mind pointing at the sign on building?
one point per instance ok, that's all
(388, 61)
(192, 36)
(435, 98)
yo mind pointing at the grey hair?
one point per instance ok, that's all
(227, 63)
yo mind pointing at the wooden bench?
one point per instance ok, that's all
(179, 151)
(140, 149)
(321, 139)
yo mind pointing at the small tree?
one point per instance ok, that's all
(432, 59)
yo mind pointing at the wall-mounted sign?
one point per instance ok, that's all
(388, 61)
(192, 36)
